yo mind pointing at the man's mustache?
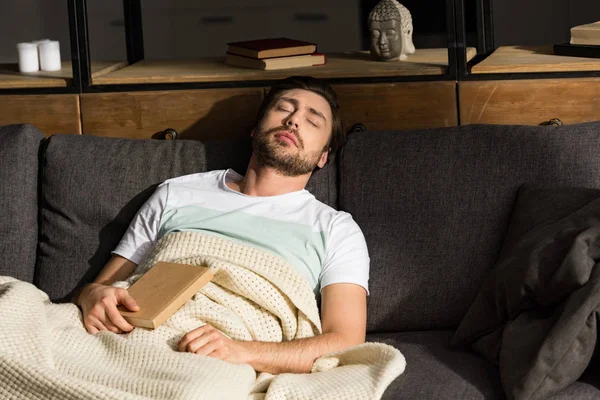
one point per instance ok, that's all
(286, 129)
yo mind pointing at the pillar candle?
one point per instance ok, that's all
(50, 55)
(28, 57)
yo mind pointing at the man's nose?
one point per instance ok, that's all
(382, 39)
(292, 121)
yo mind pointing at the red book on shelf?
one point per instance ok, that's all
(306, 60)
(272, 47)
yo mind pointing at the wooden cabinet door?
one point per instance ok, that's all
(395, 106)
(530, 102)
(54, 113)
(194, 114)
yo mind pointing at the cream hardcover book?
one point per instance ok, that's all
(162, 291)
(307, 60)
(586, 34)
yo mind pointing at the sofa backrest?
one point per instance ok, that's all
(92, 187)
(434, 206)
(19, 148)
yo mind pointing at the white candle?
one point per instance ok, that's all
(28, 57)
(49, 55)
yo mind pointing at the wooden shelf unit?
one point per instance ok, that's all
(341, 65)
(519, 59)
(11, 78)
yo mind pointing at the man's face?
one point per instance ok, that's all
(294, 133)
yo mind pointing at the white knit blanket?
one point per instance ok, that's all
(46, 353)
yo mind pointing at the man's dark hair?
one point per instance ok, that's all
(318, 86)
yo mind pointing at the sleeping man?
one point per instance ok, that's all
(298, 127)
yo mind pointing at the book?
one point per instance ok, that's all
(586, 34)
(162, 291)
(577, 50)
(273, 47)
(307, 60)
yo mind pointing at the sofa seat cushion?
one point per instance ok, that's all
(19, 149)
(92, 188)
(436, 371)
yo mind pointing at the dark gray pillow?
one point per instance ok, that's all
(19, 148)
(535, 315)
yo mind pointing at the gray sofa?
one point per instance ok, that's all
(434, 206)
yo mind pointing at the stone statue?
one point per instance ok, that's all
(390, 24)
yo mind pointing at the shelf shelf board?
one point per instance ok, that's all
(516, 59)
(339, 65)
(11, 78)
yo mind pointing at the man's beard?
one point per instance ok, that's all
(272, 154)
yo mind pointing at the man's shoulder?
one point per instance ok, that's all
(196, 177)
(337, 218)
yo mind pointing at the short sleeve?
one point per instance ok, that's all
(346, 258)
(142, 232)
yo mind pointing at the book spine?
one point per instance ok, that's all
(323, 62)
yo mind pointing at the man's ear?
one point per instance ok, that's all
(323, 159)
(252, 132)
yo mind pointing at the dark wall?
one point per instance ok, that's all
(516, 22)
(540, 22)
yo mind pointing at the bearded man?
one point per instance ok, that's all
(298, 127)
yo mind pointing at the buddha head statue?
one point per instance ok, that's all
(390, 24)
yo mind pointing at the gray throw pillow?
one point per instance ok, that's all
(535, 315)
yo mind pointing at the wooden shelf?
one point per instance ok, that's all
(515, 59)
(341, 65)
(11, 78)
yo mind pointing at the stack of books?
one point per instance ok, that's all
(585, 42)
(273, 53)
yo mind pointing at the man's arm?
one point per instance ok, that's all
(344, 320)
(98, 300)
(116, 269)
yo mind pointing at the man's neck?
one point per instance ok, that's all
(265, 181)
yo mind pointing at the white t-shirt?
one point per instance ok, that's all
(326, 246)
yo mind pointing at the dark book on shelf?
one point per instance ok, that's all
(577, 50)
(272, 47)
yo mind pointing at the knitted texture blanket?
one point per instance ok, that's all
(45, 351)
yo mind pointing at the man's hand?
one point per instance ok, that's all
(98, 304)
(344, 319)
(208, 341)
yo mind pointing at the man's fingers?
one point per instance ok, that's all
(196, 345)
(189, 337)
(117, 319)
(123, 297)
(91, 328)
(207, 348)
(96, 325)
(114, 329)
(110, 326)
(217, 353)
